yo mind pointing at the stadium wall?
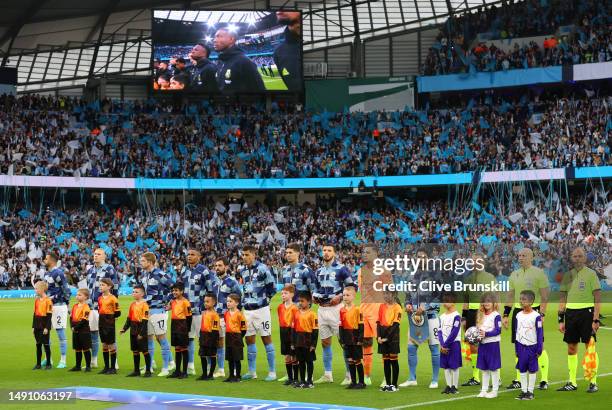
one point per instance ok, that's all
(245, 184)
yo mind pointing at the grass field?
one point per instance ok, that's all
(275, 83)
(18, 353)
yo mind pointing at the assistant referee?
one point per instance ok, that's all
(579, 314)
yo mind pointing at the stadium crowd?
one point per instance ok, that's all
(457, 51)
(66, 137)
(219, 230)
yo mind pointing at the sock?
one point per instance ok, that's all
(166, 353)
(360, 372)
(296, 371)
(435, 362)
(252, 358)
(106, 357)
(238, 367)
(448, 377)
(289, 368)
(147, 358)
(79, 358)
(353, 372)
(475, 370)
(543, 362)
(213, 364)
(367, 360)
(87, 354)
(151, 347)
(346, 364)
(593, 379)
(518, 374)
(455, 374)
(523, 379)
(412, 361)
(302, 367)
(63, 342)
(136, 362)
(271, 356)
(231, 368)
(95, 343)
(532, 381)
(39, 354)
(221, 357)
(191, 352)
(113, 359)
(178, 357)
(495, 380)
(327, 358)
(572, 364)
(204, 362)
(185, 354)
(309, 370)
(387, 366)
(486, 376)
(394, 371)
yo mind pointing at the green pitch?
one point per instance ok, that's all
(275, 83)
(18, 354)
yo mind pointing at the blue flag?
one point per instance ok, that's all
(102, 237)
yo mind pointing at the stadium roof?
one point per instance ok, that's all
(65, 41)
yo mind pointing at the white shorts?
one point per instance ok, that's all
(196, 324)
(59, 317)
(221, 327)
(329, 321)
(158, 324)
(94, 318)
(258, 321)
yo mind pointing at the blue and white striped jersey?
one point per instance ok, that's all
(94, 274)
(301, 276)
(197, 284)
(259, 286)
(330, 281)
(157, 288)
(58, 291)
(222, 288)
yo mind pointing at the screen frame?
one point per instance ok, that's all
(301, 93)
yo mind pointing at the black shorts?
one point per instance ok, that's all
(304, 354)
(107, 335)
(389, 347)
(470, 318)
(578, 325)
(40, 337)
(515, 312)
(234, 347)
(81, 341)
(139, 345)
(207, 351)
(179, 339)
(353, 352)
(285, 339)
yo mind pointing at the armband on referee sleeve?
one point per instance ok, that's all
(507, 310)
(561, 317)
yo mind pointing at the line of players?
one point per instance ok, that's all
(330, 285)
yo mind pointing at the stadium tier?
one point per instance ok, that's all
(274, 205)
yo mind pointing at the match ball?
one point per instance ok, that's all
(472, 336)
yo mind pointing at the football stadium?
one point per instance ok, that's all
(268, 204)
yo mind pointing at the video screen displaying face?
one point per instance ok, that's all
(229, 52)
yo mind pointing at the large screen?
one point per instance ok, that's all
(229, 52)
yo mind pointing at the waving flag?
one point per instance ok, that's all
(590, 363)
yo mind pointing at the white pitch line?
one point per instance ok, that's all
(474, 395)
(606, 328)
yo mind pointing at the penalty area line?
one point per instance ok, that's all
(426, 403)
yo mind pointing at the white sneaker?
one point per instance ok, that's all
(346, 381)
(433, 385)
(482, 394)
(171, 366)
(491, 395)
(324, 379)
(219, 373)
(408, 383)
(94, 363)
(164, 373)
(191, 369)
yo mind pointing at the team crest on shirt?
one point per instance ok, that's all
(332, 276)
